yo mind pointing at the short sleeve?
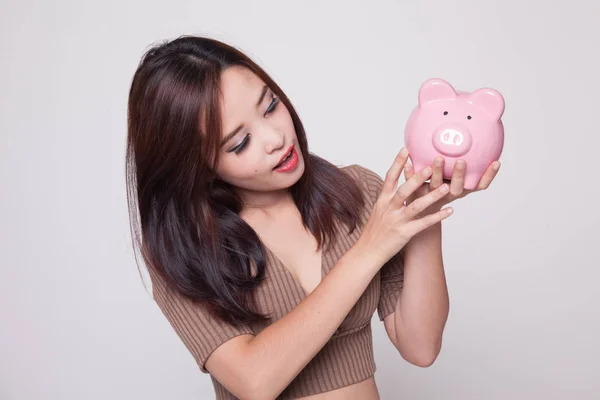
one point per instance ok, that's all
(392, 273)
(200, 332)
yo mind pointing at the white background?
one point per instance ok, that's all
(522, 258)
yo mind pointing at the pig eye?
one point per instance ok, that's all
(468, 117)
(445, 112)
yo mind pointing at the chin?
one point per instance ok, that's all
(289, 179)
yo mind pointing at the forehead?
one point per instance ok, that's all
(239, 90)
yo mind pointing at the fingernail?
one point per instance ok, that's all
(438, 162)
(444, 188)
(404, 151)
(497, 165)
(427, 170)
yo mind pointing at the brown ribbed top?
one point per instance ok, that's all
(348, 356)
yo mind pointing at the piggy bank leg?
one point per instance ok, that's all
(471, 181)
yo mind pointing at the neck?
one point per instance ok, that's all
(267, 202)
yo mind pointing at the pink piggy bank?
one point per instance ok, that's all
(456, 125)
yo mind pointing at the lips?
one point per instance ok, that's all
(282, 159)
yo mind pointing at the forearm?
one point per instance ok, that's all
(422, 308)
(278, 354)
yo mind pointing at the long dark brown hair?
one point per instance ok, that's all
(184, 220)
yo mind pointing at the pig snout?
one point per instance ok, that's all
(452, 140)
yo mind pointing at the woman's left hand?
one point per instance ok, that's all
(456, 184)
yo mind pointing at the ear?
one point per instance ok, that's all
(435, 89)
(490, 100)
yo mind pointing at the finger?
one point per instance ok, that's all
(458, 178)
(393, 174)
(420, 204)
(437, 178)
(489, 176)
(421, 224)
(408, 187)
(409, 171)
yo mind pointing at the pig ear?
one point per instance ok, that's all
(490, 100)
(435, 89)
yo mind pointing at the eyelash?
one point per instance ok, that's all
(272, 106)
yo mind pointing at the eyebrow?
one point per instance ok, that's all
(229, 136)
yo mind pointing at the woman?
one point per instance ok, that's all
(267, 260)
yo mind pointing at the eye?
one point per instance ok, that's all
(238, 149)
(272, 105)
(445, 112)
(468, 117)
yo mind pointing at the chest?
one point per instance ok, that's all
(295, 268)
(294, 248)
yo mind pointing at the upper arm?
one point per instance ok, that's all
(217, 346)
(391, 284)
(227, 364)
(390, 328)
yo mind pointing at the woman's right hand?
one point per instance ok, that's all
(392, 223)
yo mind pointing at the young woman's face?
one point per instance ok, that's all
(258, 132)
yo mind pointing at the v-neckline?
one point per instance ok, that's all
(325, 263)
(291, 278)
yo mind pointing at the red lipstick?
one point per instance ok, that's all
(288, 162)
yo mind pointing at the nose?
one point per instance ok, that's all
(452, 140)
(273, 138)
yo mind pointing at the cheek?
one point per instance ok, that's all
(285, 121)
(237, 170)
